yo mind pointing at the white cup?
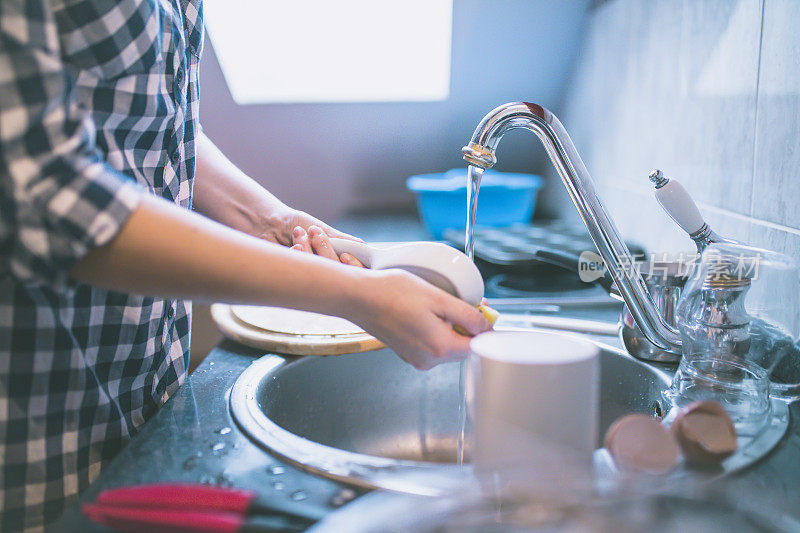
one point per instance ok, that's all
(534, 401)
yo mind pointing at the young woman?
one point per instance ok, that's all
(101, 161)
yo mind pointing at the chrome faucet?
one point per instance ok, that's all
(480, 152)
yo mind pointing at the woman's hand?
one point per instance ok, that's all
(414, 318)
(315, 241)
(283, 220)
(224, 193)
(304, 233)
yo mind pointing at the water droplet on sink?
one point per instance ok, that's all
(224, 430)
(276, 470)
(278, 485)
(298, 495)
(342, 497)
(223, 480)
(192, 461)
(218, 448)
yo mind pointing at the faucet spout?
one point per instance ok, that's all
(535, 118)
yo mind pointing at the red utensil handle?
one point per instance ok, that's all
(207, 498)
(138, 520)
(176, 495)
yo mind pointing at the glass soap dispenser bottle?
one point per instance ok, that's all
(712, 317)
(715, 328)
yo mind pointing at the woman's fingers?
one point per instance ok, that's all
(349, 259)
(440, 344)
(320, 243)
(300, 238)
(316, 241)
(457, 346)
(465, 316)
(332, 232)
(306, 221)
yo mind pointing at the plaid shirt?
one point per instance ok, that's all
(98, 106)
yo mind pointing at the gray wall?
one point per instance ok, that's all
(706, 90)
(329, 159)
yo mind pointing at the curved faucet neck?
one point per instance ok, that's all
(575, 177)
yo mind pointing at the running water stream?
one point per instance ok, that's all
(474, 175)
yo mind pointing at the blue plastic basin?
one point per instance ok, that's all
(504, 199)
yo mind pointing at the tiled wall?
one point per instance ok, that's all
(709, 92)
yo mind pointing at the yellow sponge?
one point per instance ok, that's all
(488, 313)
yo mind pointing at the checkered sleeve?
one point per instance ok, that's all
(58, 197)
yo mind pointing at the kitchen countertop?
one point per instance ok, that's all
(194, 439)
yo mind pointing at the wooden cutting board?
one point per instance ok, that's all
(292, 332)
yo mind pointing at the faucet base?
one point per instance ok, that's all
(637, 345)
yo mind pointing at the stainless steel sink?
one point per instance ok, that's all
(353, 417)
(372, 420)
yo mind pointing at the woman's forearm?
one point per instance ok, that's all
(224, 193)
(164, 250)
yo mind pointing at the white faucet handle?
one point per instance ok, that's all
(677, 203)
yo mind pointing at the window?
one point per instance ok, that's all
(279, 51)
